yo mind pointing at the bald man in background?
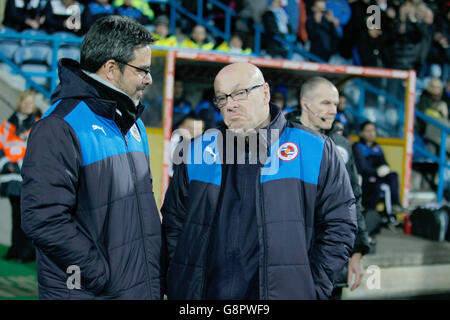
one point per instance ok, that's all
(268, 212)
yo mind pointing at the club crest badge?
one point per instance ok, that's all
(135, 133)
(288, 151)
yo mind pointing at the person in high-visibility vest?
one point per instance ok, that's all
(197, 40)
(14, 133)
(162, 33)
(142, 5)
(235, 45)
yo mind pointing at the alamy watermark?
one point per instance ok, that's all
(74, 280)
(373, 281)
(234, 147)
(374, 20)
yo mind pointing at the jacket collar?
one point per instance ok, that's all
(102, 99)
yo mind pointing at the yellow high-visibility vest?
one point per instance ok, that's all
(170, 41)
(138, 4)
(226, 48)
(188, 43)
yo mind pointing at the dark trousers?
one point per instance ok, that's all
(21, 244)
(372, 191)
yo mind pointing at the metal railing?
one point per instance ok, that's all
(442, 159)
(55, 42)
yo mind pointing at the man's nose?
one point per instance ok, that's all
(147, 79)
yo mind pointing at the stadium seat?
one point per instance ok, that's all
(36, 53)
(8, 48)
(65, 52)
(43, 81)
(31, 32)
(66, 35)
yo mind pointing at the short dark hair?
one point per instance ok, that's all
(112, 37)
(311, 84)
(364, 124)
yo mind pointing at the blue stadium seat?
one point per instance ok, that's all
(32, 32)
(65, 52)
(8, 48)
(43, 81)
(36, 53)
(4, 29)
(66, 35)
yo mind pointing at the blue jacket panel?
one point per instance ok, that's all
(306, 215)
(88, 202)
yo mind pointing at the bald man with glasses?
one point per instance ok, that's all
(262, 208)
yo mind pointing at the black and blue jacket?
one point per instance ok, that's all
(87, 198)
(305, 214)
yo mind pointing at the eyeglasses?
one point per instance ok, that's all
(142, 73)
(239, 95)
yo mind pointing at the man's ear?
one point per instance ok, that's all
(109, 69)
(266, 93)
(304, 102)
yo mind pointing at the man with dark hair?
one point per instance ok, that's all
(319, 99)
(374, 169)
(87, 195)
(269, 216)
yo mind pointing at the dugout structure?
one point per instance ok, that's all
(393, 113)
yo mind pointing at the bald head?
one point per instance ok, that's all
(249, 107)
(311, 85)
(241, 74)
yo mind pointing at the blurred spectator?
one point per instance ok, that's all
(276, 23)
(100, 9)
(67, 15)
(370, 47)
(207, 111)
(141, 5)
(425, 16)
(338, 127)
(428, 102)
(404, 40)
(279, 97)
(355, 26)
(13, 141)
(162, 33)
(432, 104)
(341, 116)
(21, 14)
(374, 169)
(127, 9)
(190, 127)
(440, 48)
(235, 45)
(198, 39)
(181, 106)
(322, 31)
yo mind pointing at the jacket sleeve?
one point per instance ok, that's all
(362, 238)
(51, 173)
(335, 225)
(174, 208)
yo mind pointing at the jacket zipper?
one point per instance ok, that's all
(265, 294)
(133, 169)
